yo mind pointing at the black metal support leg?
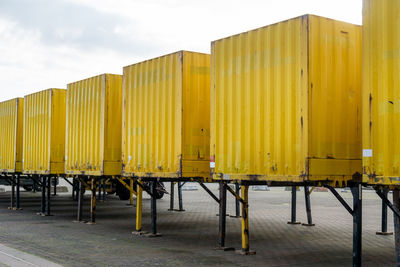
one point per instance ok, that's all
(222, 216)
(12, 193)
(180, 200)
(18, 199)
(100, 189)
(104, 189)
(172, 196)
(308, 207)
(43, 200)
(293, 206)
(153, 209)
(74, 188)
(384, 216)
(80, 201)
(153, 191)
(237, 202)
(396, 219)
(55, 186)
(357, 224)
(48, 203)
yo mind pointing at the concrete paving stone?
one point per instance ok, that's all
(189, 238)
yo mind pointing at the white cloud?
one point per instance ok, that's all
(57, 42)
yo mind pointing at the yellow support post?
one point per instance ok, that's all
(139, 196)
(245, 221)
(93, 202)
(131, 192)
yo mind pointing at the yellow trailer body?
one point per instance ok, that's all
(93, 133)
(166, 117)
(44, 132)
(11, 127)
(285, 102)
(381, 92)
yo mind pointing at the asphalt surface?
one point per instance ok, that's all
(189, 237)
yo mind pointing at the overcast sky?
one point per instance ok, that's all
(49, 43)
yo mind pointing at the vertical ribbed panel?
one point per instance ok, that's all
(165, 116)
(196, 113)
(285, 101)
(11, 119)
(37, 130)
(87, 103)
(335, 89)
(58, 122)
(44, 132)
(259, 110)
(153, 112)
(381, 91)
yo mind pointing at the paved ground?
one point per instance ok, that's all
(189, 237)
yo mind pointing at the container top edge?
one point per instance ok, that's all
(96, 76)
(165, 55)
(45, 90)
(282, 21)
(12, 99)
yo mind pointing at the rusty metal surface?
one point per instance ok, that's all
(11, 125)
(285, 102)
(381, 102)
(93, 128)
(166, 116)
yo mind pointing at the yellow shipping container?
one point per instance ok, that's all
(93, 133)
(166, 124)
(11, 126)
(285, 102)
(44, 132)
(381, 92)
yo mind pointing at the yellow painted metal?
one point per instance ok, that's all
(129, 187)
(11, 126)
(380, 97)
(93, 133)
(285, 102)
(44, 132)
(166, 117)
(245, 218)
(139, 196)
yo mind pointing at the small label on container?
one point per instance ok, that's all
(212, 164)
(130, 158)
(367, 153)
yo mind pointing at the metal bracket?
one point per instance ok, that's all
(140, 183)
(182, 184)
(36, 180)
(83, 182)
(126, 186)
(388, 203)
(238, 198)
(67, 181)
(341, 200)
(236, 195)
(209, 192)
(312, 189)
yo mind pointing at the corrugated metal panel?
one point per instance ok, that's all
(93, 134)
(44, 132)
(165, 116)
(11, 119)
(268, 99)
(334, 98)
(381, 90)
